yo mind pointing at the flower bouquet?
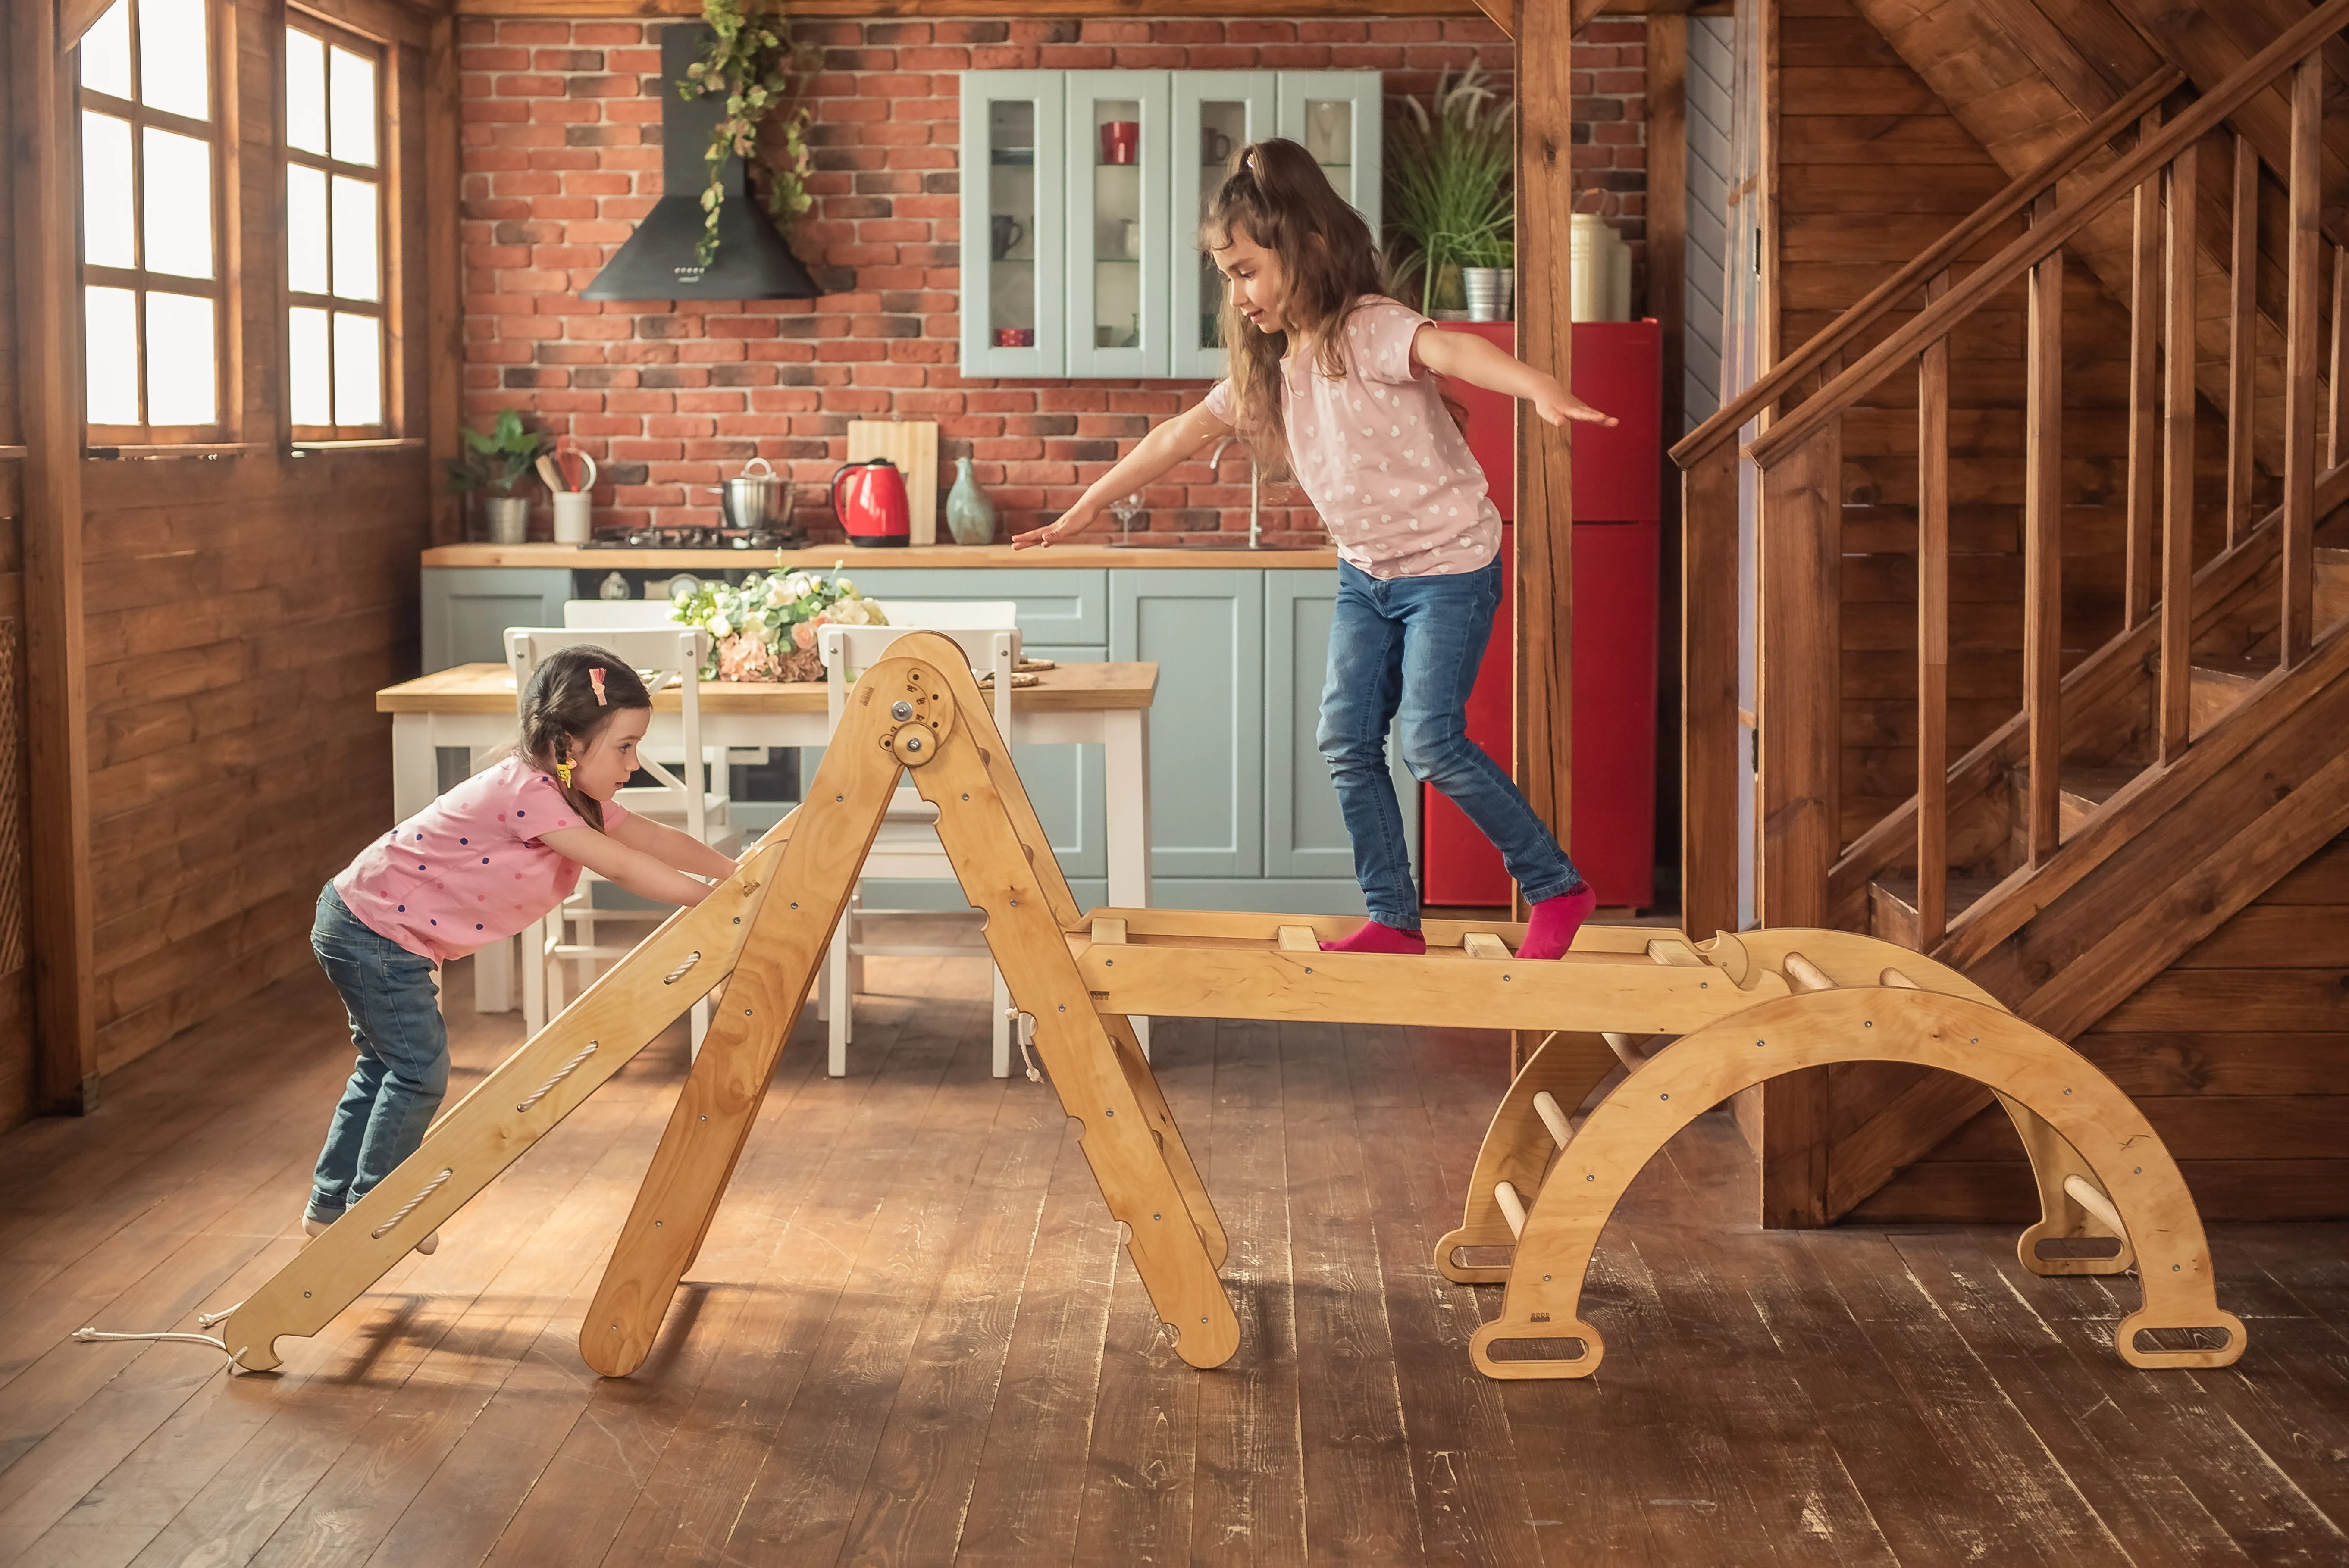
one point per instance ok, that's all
(764, 628)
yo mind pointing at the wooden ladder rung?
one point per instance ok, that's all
(1553, 1115)
(1898, 981)
(1108, 930)
(1627, 1050)
(1513, 1208)
(2086, 1194)
(1676, 952)
(1806, 975)
(1298, 939)
(1485, 944)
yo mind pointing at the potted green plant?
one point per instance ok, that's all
(493, 464)
(1451, 205)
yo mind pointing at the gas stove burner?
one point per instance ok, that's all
(698, 537)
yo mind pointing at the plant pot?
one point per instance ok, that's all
(1490, 292)
(506, 518)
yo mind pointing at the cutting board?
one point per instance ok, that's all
(913, 446)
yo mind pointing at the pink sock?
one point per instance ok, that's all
(1555, 921)
(1376, 938)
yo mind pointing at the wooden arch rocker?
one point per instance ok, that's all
(763, 933)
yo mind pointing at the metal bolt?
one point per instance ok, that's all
(1506, 978)
(1157, 1216)
(1705, 984)
(1544, 1279)
(705, 1118)
(913, 743)
(2175, 1268)
(1109, 962)
(1203, 1320)
(738, 919)
(839, 798)
(2139, 1171)
(306, 1296)
(1591, 1178)
(1868, 1023)
(656, 1225)
(1015, 903)
(1064, 1007)
(1663, 1097)
(901, 711)
(2067, 1091)
(1309, 969)
(1759, 1044)
(966, 797)
(746, 1012)
(1109, 1113)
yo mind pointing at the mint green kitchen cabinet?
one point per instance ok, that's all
(467, 610)
(1206, 630)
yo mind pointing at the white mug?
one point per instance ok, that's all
(1129, 239)
(572, 523)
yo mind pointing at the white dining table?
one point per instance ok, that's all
(470, 708)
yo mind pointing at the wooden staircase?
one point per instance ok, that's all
(2147, 790)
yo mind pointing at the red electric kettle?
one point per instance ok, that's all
(874, 512)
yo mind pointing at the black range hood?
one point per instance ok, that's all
(658, 262)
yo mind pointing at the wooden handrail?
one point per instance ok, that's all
(1838, 335)
(1936, 319)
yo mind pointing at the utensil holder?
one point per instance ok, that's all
(573, 524)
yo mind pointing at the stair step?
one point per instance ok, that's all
(2081, 793)
(1892, 905)
(2219, 684)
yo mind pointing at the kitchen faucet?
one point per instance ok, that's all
(1255, 491)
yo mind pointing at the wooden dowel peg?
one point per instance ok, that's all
(1513, 1208)
(1553, 1115)
(2086, 1194)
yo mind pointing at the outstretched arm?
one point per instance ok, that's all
(642, 874)
(1465, 357)
(1174, 441)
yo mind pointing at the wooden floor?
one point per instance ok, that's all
(912, 1338)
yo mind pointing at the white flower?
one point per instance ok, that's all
(847, 589)
(795, 587)
(719, 626)
(778, 593)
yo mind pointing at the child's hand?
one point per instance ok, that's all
(1073, 521)
(1557, 405)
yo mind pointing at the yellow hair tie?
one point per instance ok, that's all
(563, 771)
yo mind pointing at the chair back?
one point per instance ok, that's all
(602, 614)
(951, 615)
(849, 651)
(660, 654)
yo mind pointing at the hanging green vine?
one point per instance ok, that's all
(751, 58)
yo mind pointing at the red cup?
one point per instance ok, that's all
(1120, 140)
(1015, 338)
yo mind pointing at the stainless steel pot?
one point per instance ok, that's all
(757, 501)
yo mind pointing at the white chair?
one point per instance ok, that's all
(679, 797)
(907, 843)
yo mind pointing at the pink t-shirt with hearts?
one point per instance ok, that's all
(469, 870)
(1378, 456)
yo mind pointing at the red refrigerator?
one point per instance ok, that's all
(1618, 368)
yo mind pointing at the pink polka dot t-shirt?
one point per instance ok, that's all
(1378, 456)
(468, 870)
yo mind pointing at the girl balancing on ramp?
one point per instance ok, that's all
(487, 858)
(1330, 385)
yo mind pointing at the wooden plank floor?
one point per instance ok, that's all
(912, 1338)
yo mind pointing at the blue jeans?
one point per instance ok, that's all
(1408, 647)
(403, 1056)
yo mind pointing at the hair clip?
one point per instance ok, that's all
(596, 679)
(563, 771)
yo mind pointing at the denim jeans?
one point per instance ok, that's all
(1408, 647)
(403, 1056)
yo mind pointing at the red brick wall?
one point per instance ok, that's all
(562, 156)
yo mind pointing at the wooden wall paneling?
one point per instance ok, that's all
(47, 315)
(2042, 553)
(444, 313)
(2336, 407)
(2180, 273)
(1801, 827)
(2298, 538)
(1544, 726)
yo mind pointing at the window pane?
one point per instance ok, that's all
(354, 257)
(358, 370)
(306, 342)
(182, 384)
(305, 92)
(305, 229)
(106, 191)
(110, 345)
(352, 104)
(106, 51)
(174, 57)
(177, 183)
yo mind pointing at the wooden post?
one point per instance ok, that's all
(2145, 388)
(2043, 547)
(2175, 700)
(1667, 203)
(1800, 693)
(1933, 636)
(444, 310)
(1545, 531)
(2242, 337)
(1710, 730)
(49, 338)
(2300, 362)
(2336, 433)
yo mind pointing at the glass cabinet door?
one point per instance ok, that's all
(1013, 247)
(1338, 116)
(1119, 215)
(1216, 114)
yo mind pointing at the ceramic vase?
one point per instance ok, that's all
(970, 515)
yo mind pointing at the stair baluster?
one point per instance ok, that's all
(2043, 544)
(2242, 337)
(2143, 383)
(2175, 702)
(2298, 541)
(1933, 634)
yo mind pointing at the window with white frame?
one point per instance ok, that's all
(334, 233)
(154, 308)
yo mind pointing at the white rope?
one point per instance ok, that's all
(678, 974)
(206, 1319)
(410, 1207)
(235, 1357)
(1023, 1029)
(564, 1071)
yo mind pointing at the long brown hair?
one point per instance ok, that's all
(562, 712)
(1279, 196)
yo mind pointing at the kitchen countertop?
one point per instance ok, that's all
(931, 557)
(489, 689)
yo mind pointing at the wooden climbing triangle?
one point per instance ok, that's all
(1737, 1010)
